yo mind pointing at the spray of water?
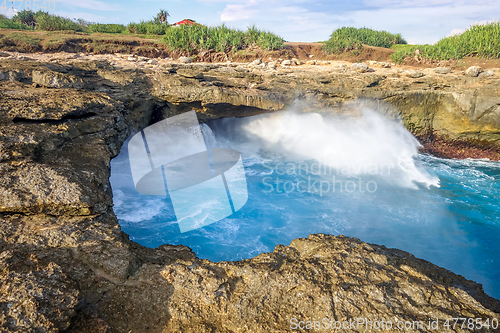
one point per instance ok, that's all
(368, 143)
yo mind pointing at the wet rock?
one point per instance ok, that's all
(442, 70)
(360, 67)
(473, 71)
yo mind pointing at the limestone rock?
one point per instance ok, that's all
(34, 297)
(360, 67)
(64, 258)
(257, 62)
(414, 74)
(190, 73)
(51, 79)
(185, 60)
(473, 71)
(487, 74)
(383, 64)
(12, 75)
(442, 70)
(271, 65)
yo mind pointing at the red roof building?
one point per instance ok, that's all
(185, 22)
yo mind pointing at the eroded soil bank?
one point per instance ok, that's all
(66, 265)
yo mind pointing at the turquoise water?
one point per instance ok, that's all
(444, 211)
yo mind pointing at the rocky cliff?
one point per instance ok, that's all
(66, 266)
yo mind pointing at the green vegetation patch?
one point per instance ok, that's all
(347, 39)
(147, 28)
(21, 42)
(47, 22)
(8, 24)
(196, 38)
(107, 28)
(478, 40)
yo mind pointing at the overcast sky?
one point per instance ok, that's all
(419, 21)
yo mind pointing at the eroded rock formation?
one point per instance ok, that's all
(65, 264)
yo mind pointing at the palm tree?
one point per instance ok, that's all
(161, 17)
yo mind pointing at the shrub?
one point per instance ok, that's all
(348, 38)
(269, 41)
(47, 22)
(107, 28)
(26, 17)
(196, 38)
(478, 40)
(8, 24)
(148, 27)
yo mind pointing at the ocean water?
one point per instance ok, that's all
(356, 176)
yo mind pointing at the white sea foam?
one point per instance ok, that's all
(356, 145)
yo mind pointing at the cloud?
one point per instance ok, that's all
(419, 21)
(9, 12)
(455, 32)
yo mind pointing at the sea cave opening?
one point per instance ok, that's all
(357, 175)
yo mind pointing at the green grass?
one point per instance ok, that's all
(196, 38)
(479, 40)
(347, 39)
(20, 42)
(107, 28)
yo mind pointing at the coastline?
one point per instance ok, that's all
(60, 237)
